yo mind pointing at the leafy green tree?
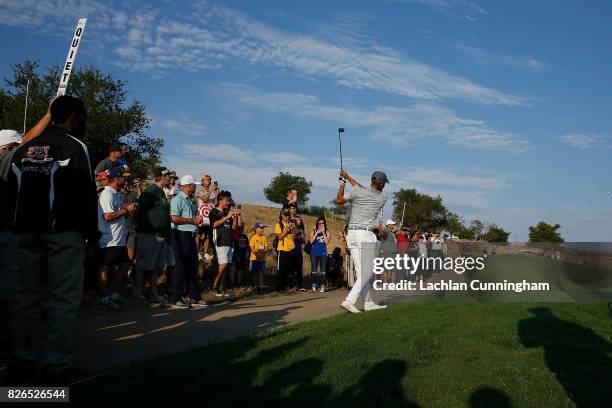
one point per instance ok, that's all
(423, 211)
(454, 224)
(339, 211)
(543, 232)
(111, 118)
(476, 227)
(279, 185)
(495, 234)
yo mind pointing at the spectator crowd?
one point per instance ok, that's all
(152, 236)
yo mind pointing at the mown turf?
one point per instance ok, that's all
(426, 354)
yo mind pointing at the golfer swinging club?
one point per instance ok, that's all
(366, 203)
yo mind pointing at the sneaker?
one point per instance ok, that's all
(139, 296)
(106, 301)
(349, 306)
(179, 305)
(303, 290)
(208, 257)
(314, 288)
(217, 292)
(116, 298)
(157, 299)
(369, 306)
(223, 292)
(322, 289)
(199, 303)
(200, 257)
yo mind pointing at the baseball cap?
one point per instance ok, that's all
(260, 225)
(117, 171)
(102, 175)
(390, 222)
(380, 177)
(8, 137)
(160, 171)
(173, 175)
(115, 147)
(187, 179)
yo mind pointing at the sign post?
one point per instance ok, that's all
(72, 52)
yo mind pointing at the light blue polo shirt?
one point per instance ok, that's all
(183, 206)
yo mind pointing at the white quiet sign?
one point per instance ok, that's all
(72, 52)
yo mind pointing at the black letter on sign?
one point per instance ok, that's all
(75, 42)
(68, 64)
(78, 32)
(65, 75)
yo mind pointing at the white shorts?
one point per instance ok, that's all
(224, 254)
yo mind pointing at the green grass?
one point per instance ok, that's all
(437, 354)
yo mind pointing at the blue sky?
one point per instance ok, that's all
(500, 107)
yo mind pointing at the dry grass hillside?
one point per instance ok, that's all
(269, 216)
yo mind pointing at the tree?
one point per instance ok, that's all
(110, 119)
(544, 232)
(422, 210)
(476, 227)
(279, 185)
(495, 234)
(339, 210)
(454, 224)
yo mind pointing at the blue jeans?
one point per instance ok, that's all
(322, 260)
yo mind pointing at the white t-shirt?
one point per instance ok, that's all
(113, 232)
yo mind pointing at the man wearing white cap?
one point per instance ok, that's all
(185, 222)
(388, 248)
(366, 203)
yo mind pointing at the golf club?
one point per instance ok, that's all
(340, 131)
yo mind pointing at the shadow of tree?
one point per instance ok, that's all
(487, 397)
(577, 356)
(229, 374)
(380, 385)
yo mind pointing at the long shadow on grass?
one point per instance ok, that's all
(577, 356)
(486, 397)
(231, 375)
(379, 386)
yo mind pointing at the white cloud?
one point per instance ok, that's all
(398, 126)
(485, 57)
(439, 176)
(246, 173)
(209, 37)
(456, 8)
(183, 126)
(586, 141)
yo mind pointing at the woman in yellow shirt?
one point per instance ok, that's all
(285, 233)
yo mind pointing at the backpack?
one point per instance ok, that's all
(275, 241)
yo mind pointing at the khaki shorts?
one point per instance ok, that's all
(151, 252)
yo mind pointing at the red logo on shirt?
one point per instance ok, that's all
(37, 154)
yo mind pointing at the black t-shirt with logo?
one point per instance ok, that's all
(223, 234)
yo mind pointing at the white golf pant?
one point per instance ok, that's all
(362, 244)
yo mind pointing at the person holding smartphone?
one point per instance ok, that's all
(285, 231)
(319, 238)
(291, 199)
(223, 220)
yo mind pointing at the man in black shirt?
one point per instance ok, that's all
(52, 224)
(115, 152)
(224, 219)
